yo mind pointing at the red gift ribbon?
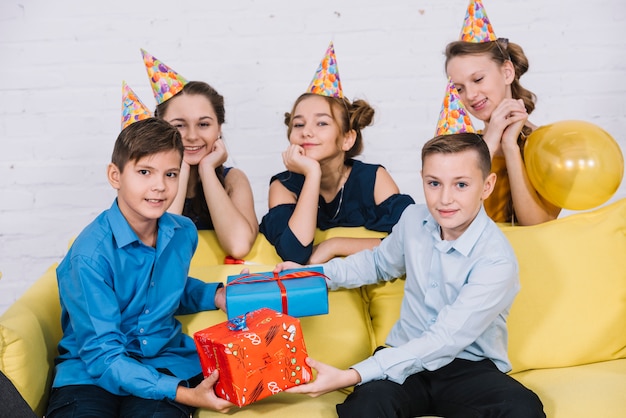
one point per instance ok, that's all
(278, 279)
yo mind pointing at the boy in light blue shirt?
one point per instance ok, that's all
(447, 354)
(122, 282)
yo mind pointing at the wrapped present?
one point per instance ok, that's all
(296, 292)
(257, 354)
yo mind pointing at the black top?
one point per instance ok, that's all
(201, 224)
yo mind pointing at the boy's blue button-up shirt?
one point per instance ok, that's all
(457, 294)
(118, 299)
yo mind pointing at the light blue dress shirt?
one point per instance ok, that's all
(457, 294)
(118, 300)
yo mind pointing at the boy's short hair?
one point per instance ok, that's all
(146, 137)
(459, 142)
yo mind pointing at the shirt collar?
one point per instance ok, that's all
(466, 241)
(124, 234)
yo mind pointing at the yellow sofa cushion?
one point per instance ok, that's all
(29, 332)
(20, 334)
(572, 305)
(285, 405)
(590, 390)
(209, 252)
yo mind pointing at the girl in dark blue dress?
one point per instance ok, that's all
(324, 186)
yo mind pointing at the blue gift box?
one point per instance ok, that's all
(295, 292)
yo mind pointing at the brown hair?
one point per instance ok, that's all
(198, 88)
(499, 51)
(198, 207)
(356, 115)
(459, 142)
(143, 138)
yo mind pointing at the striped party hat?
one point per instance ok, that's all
(165, 81)
(476, 26)
(326, 80)
(453, 118)
(133, 110)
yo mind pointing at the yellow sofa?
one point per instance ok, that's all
(567, 326)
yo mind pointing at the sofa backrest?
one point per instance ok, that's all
(571, 309)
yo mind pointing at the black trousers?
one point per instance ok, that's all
(463, 389)
(12, 405)
(87, 401)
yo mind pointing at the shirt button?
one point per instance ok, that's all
(145, 342)
(147, 311)
(152, 284)
(434, 284)
(141, 330)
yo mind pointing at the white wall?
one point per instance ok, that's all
(62, 64)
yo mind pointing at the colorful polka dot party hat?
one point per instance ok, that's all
(326, 80)
(165, 81)
(133, 110)
(477, 27)
(453, 118)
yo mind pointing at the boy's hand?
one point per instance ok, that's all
(220, 298)
(220, 294)
(328, 379)
(286, 265)
(203, 395)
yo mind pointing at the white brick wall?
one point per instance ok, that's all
(62, 63)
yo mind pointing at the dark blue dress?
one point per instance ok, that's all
(353, 206)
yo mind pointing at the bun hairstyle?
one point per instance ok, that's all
(500, 51)
(348, 115)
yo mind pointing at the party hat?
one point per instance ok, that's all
(477, 27)
(133, 110)
(453, 118)
(165, 81)
(326, 80)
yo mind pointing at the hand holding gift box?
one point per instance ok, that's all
(257, 354)
(296, 292)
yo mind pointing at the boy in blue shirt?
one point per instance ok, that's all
(447, 354)
(122, 282)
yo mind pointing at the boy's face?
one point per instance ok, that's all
(454, 188)
(147, 187)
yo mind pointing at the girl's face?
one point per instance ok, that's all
(482, 83)
(195, 119)
(314, 129)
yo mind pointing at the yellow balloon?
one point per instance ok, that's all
(574, 164)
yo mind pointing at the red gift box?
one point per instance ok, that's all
(257, 355)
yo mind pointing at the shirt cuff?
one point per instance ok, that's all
(369, 370)
(166, 386)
